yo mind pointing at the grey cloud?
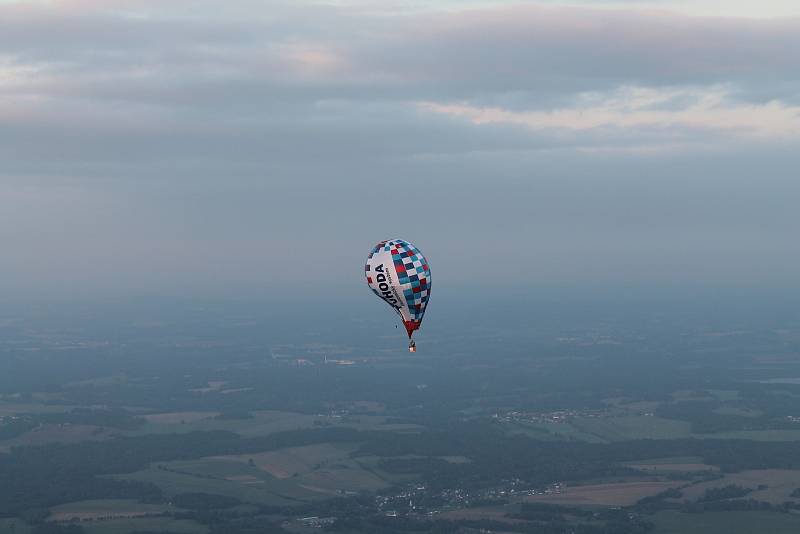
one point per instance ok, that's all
(141, 81)
(545, 51)
(157, 148)
(484, 55)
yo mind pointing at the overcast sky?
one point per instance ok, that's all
(229, 148)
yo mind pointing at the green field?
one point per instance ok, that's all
(632, 427)
(281, 477)
(726, 523)
(756, 435)
(780, 484)
(45, 434)
(613, 494)
(118, 526)
(12, 408)
(158, 524)
(681, 464)
(606, 429)
(552, 431)
(234, 479)
(262, 423)
(106, 508)
(324, 468)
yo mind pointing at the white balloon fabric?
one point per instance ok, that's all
(398, 273)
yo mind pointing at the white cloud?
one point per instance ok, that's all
(678, 115)
(705, 8)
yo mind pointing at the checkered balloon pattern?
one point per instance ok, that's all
(409, 277)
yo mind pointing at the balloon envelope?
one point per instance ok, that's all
(398, 273)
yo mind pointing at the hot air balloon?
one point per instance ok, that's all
(399, 274)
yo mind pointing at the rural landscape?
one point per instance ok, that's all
(212, 419)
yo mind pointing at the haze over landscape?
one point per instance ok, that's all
(606, 193)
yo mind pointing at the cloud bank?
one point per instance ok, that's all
(190, 146)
